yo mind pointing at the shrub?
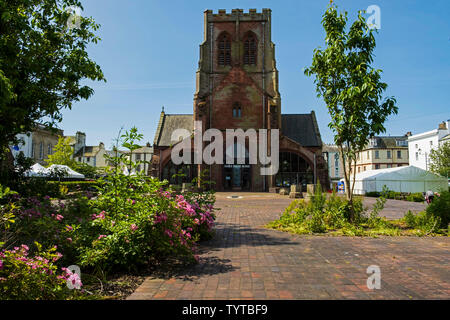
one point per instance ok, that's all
(415, 197)
(422, 221)
(32, 277)
(440, 207)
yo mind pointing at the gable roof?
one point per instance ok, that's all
(301, 128)
(170, 122)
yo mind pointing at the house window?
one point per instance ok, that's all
(364, 168)
(224, 50)
(138, 156)
(49, 149)
(250, 49)
(389, 165)
(377, 166)
(237, 111)
(41, 150)
(359, 169)
(377, 154)
(389, 154)
(399, 154)
(88, 159)
(431, 143)
(368, 155)
(417, 156)
(138, 168)
(416, 146)
(33, 147)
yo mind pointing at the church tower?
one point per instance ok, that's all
(237, 79)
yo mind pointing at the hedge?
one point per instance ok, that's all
(413, 197)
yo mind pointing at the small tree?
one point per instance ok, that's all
(62, 153)
(440, 160)
(351, 88)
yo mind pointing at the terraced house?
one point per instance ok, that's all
(237, 87)
(383, 152)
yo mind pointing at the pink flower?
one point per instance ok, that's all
(69, 239)
(69, 228)
(169, 233)
(74, 279)
(196, 221)
(100, 237)
(1, 264)
(113, 223)
(133, 227)
(25, 247)
(59, 217)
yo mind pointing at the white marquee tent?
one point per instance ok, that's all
(37, 170)
(55, 169)
(400, 179)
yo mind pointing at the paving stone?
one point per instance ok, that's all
(246, 261)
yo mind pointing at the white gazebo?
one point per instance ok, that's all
(401, 179)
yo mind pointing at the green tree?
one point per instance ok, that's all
(440, 160)
(62, 153)
(43, 60)
(350, 87)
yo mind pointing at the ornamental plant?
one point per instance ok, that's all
(33, 277)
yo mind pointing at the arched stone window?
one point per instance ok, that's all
(224, 49)
(250, 49)
(237, 110)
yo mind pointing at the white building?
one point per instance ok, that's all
(420, 145)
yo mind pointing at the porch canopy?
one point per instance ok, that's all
(406, 179)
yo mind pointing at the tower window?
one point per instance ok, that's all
(250, 49)
(237, 111)
(224, 50)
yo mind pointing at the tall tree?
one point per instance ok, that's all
(440, 160)
(350, 87)
(43, 60)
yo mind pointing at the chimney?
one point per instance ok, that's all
(408, 134)
(442, 126)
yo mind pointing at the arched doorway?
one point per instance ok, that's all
(294, 169)
(237, 176)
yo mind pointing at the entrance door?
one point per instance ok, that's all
(236, 178)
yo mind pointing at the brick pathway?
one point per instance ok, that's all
(246, 261)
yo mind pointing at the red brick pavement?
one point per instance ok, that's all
(246, 261)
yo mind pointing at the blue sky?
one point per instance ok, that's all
(149, 55)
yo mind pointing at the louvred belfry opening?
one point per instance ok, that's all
(224, 50)
(250, 49)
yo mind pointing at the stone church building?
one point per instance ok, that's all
(237, 87)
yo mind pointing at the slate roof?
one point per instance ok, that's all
(389, 142)
(168, 123)
(301, 128)
(89, 151)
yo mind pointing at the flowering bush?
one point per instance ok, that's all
(32, 277)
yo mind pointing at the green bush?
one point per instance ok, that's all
(440, 207)
(25, 277)
(415, 197)
(423, 221)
